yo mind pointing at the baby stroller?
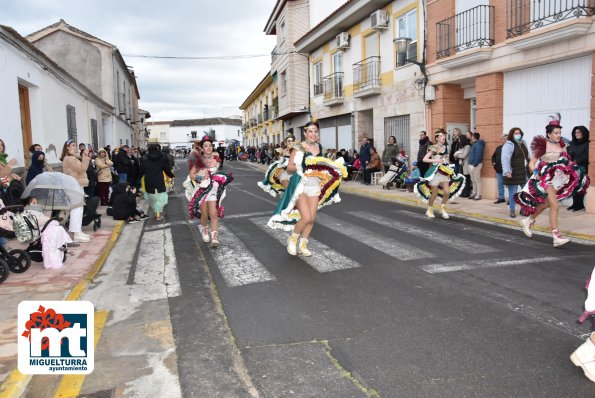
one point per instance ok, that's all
(396, 173)
(35, 249)
(15, 260)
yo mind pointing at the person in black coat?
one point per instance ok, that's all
(123, 163)
(424, 142)
(579, 153)
(153, 166)
(123, 202)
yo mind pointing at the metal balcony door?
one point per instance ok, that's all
(337, 80)
(371, 71)
(466, 24)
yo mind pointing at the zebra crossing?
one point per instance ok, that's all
(239, 266)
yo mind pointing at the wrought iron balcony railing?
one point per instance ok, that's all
(469, 29)
(333, 86)
(522, 16)
(366, 73)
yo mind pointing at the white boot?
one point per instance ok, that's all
(444, 213)
(527, 223)
(430, 212)
(214, 238)
(79, 237)
(558, 239)
(303, 248)
(584, 356)
(292, 244)
(204, 233)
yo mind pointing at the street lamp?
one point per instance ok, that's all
(402, 44)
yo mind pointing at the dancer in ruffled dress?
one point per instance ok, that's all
(276, 178)
(314, 184)
(584, 356)
(208, 189)
(554, 179)
(440, 180)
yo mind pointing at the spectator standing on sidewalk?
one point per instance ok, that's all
(424, 142)
(36, 166)
(454, 147)
(123, 163)
(579, 153)
(373, 166)
(153, 167)
(364, 155)
(497, 163)
(475, 165)
(515, 158)
(390, 150)
(462, 155)
(104, 175)
(76, 167)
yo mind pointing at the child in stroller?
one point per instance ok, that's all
(396, 173)
(15, 260)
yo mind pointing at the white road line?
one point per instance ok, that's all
(236, 263)
(253, 194)
(244, 215)
(392, 247)
(323, 259)
(156, 275)
(426, 233)
(167, 225)
(479, 264)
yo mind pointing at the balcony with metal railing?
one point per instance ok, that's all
(274, 54)
(473, 28)
(366, 77)
(524, 16)
(333, 89)
(317, 89)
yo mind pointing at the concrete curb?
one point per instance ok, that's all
(16, 383)
(388, 197)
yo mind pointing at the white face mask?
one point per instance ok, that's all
(517, 137)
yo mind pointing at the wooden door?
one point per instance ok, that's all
(25, 122)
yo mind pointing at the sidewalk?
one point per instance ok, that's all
(573, 224)
(68, 283)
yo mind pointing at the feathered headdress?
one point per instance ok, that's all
(555, 119)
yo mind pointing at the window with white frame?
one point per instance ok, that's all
(318, 78)
(407, 27)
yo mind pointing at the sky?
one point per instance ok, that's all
(170, 89)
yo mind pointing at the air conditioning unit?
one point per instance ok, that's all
(342, 40)
(379, 20)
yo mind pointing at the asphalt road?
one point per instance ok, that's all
(398, 305)
(391, 304)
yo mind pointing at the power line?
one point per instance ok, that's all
(208, 58)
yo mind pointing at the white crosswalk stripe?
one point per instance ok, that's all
(323, 259)
(156, 275)
(477, 264)
(235, 262)
(426, 233)
(390, 246)
(504, 237)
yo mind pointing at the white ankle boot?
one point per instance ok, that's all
(430, 212)
(444, 213)
(215, 238)
(204, 233)
(303, 248)
(81, 237)
(292, 244)
(558, 239)
(527, 224)
(584, 356)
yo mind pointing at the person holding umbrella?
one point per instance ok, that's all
(76, 166)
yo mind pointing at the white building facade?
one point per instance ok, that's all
(182, 133)
(41, 103)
